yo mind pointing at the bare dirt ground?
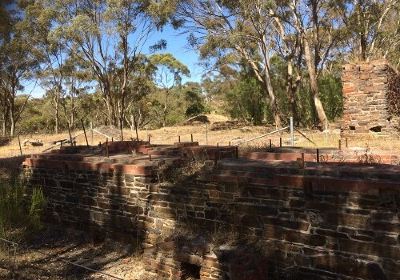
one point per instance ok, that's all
(204, 135)
(49, 254)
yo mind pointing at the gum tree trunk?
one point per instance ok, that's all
(323, 120)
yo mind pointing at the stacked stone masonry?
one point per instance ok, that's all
(234, 218)
(371, 98)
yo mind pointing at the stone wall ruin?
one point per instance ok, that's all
(269, 218)
(371, 92)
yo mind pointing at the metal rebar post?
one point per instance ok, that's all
(291, 132)
(237, 152)
(107, 151)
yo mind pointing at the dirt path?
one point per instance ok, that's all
(47, 255)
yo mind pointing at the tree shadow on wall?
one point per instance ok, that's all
(231, 221)
(96, 202)
(261, 231)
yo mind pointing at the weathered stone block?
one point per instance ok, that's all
(366, 103)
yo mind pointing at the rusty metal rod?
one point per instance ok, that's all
(107, 152)
(237, 152)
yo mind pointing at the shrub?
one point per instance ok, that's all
(18, 210)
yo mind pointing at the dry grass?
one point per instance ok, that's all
(44, 257)
(204, 135)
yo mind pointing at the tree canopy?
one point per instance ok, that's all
(263, 60)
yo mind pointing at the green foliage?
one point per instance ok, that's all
(38, 202)
(331, 95)
(169, 70)
(245, 100)
(37, 117)
(12, 206)
(195, 101)
(18, 209)
(92, 67)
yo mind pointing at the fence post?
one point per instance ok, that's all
(291, 132)
(303, 164)
(237, 152)
(107, 152)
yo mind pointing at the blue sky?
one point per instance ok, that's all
(176, 44)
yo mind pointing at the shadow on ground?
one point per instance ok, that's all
(46, 256)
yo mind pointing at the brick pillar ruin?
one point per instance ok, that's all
(371, 98)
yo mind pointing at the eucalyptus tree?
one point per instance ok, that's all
(5, 32)
(106, 36)
(17, 64)
(320, 31)
(139, 87)
(49, 51)
(373, 27)
(241, 28)
(5, 19)
(76, 84)
(168, 75)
